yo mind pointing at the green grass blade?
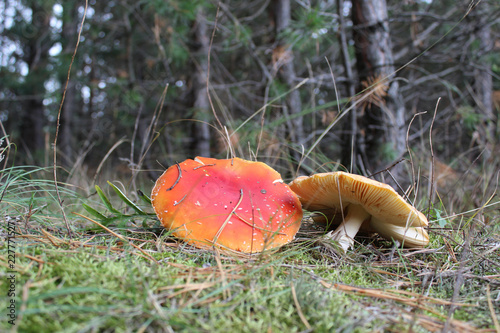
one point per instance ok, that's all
(127, 201)
(144, 197)
(97, 214)
(105, 200)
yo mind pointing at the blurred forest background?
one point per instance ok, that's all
(294, 83)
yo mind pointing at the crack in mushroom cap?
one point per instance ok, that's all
(234, 203)
(337, 190)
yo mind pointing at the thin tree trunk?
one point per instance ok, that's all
(349, 143)
(67, 130)
(381, 129)
(484, 83)
(282, 17)
(32, 122)
(69, 34)
(201, 130)
(35, 55)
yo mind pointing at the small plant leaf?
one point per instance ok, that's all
(441, 220)
(127, 200)
(144, 197)
(105, 220)
(106, 201)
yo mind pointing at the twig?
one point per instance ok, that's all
(216, 237)
(350, 85)
(459, 280)
(431, 188)
(299, 309)
(178, 178)
(182, 199)
(145, 146)
(7, 147)
(492, 310)
(388, 168)
(412, 165)
(351, 107)
(226, 291)
(105, 158)
(208, 68)
(58, 122)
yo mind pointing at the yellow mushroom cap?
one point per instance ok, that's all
(390, 215)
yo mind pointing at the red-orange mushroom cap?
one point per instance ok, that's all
(231, 204)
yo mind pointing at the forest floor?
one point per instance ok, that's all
(119, 271)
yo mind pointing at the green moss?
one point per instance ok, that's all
(97, 282)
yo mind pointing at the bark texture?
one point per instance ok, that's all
(69, 109)
(201, 130)
(35, 55)
(381, 122)
(293, 104)
(484, 83)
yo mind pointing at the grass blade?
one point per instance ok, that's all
(144, 197)
(127, 201)
(97, 214)
(105, 200)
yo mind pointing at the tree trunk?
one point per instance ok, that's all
(293, 105)
(381, 122)
(69, 35)
(201, 128)
(35, 54)
(349, 144)
(32, 122)
(484, 82)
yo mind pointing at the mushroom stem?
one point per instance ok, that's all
(408, 236)
(349, 227)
